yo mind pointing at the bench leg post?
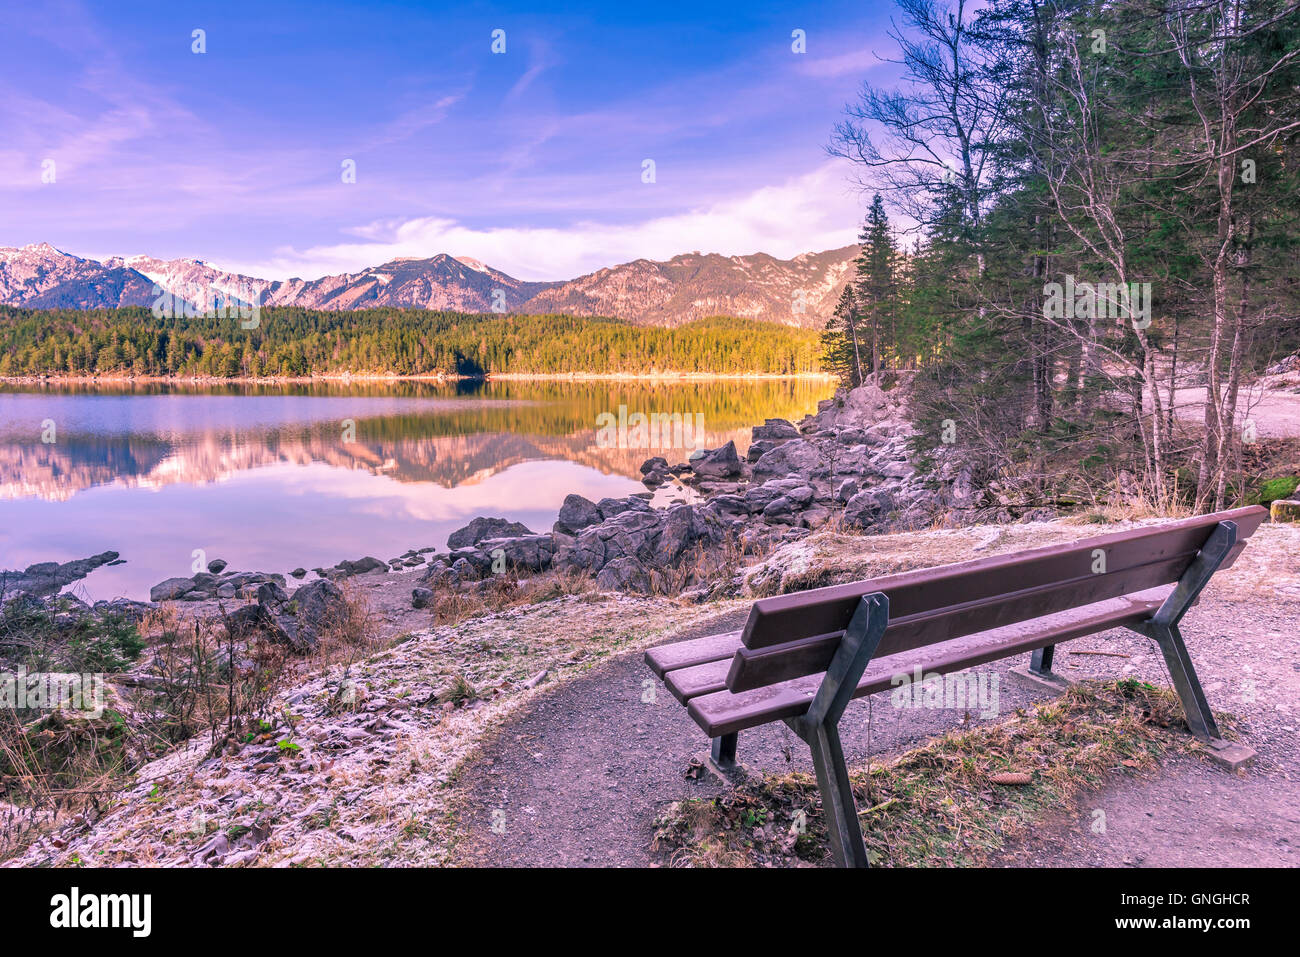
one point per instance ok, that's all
(819, 727)
(1199, 717)
(1040, 661)
(838, 805)
(723, 751)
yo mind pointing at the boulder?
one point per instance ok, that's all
(624, 574)
(530, 553)
(798, 456)
(610, 507)
(716, 463)
(866, 508)
(421, 597)
(654, 464)
(170, 589)
(272, 595)
(482, 528)
(775, 429)
(217, 566)
(578, 513)
(1284, 510)
(318, 606)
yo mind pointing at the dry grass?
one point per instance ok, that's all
(938, 805)
(202, 681)
(501, 592)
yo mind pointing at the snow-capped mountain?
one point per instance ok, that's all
(801, 291)
(42, 277)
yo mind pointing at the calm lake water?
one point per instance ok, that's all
(270, 478)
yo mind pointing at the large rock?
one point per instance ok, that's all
(798, 456)
(47, 578)
(624, 574)
(684, 526)
(867, 508)
(717, 463)
(1285, 510)
(576, 514)
(774, 429)
(483, 528)
(530, 553)
(318, 607)
(171, 589)
(609, 507)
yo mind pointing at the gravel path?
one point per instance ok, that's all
(579, 779)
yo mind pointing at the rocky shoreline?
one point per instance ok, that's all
(847, 463)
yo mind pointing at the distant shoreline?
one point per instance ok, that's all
(334, 378)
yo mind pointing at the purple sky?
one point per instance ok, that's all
(530, 160)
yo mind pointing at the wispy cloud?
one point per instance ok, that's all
(810, 212)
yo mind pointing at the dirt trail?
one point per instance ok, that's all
(579, 779)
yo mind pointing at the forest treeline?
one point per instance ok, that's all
(290, 341)
(1084, 214)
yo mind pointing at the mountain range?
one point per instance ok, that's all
(801, 291)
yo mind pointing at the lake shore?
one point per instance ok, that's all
(50, 379)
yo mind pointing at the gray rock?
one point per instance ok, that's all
(610, 507)
(798, 456)
(482, 528)
(170, 589)
(624, 574)
(272, 595)
(299, 573)
(775, 429)
(716, 463)
(318, 606)
(421, 597)
(866, 508)
(578, 513)
(225, 590)
(47, 578)
(217, 566)
(526, 553)
(655, 464)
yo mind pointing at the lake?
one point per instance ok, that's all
(273, 477)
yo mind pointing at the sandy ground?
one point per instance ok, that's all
(1274, 412)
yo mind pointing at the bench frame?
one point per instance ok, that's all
(819, 726)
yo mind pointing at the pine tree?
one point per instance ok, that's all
(841, 346)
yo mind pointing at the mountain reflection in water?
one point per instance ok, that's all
(271, 477)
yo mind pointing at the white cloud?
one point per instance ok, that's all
(818, 210)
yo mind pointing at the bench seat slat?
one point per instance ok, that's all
(693, 651)
(723, 712)
(1054, 572)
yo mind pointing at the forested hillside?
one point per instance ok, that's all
(1103, 212)
(289, 341)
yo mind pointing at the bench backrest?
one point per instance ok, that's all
(933, 605)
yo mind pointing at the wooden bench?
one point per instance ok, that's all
(802, 657)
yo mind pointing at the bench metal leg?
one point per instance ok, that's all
(1040, 661)
(723, 750)
(1163, 627)
(819, 727)
(1199, 717)
(838, 805)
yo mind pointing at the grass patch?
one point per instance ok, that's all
(941, 805)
